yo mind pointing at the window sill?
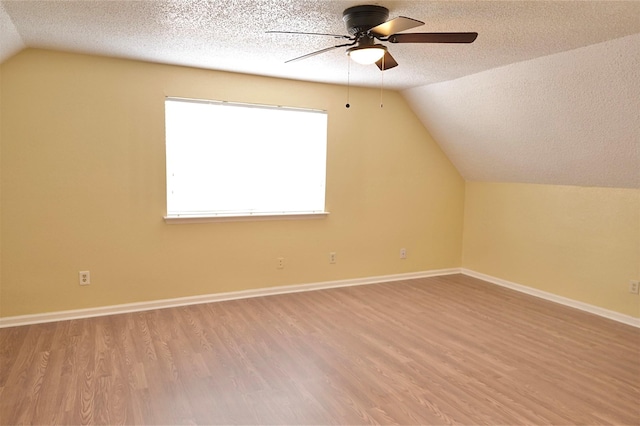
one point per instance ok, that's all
(172, 220)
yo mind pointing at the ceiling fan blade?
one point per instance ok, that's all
(386, 62)
(320, 34)
(317, 52)
(395, 25)
(433, 38)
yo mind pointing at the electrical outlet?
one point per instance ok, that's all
(280, 264)
(634, 287)
(84, 277)
(332, 257)
(403, 253)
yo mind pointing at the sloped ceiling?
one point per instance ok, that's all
(545, 94)
(10, 41)
(572, 118)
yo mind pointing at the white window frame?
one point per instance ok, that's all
(176, 216)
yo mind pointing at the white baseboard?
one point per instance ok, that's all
(616, 316)
(244, 294)
(208, 298)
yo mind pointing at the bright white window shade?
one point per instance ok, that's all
(226, 159)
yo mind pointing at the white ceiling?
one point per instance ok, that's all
(572, 118)
(527, 57)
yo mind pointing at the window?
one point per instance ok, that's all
(226, 159)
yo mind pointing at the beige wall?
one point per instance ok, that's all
(0, 190)
(83, 188)
(577, 242)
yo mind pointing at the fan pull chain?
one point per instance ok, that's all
(348, 80)
(381, 82)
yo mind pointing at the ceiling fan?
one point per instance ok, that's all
(367, 23)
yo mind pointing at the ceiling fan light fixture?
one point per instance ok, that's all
(367, 55)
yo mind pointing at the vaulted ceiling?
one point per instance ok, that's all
(548, 93)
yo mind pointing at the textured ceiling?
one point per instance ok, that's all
(230, 34)
(548, 93)
(572, 118)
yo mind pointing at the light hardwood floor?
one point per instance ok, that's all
(439, 350)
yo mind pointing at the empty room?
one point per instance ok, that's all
(319, 212)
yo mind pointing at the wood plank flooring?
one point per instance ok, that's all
(444, 350)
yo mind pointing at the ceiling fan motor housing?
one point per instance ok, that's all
(360, 19)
